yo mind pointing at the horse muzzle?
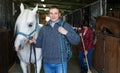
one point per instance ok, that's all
(20, 44)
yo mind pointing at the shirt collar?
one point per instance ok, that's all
(57, 22)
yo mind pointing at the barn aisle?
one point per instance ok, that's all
(73, 67)
(73, 64)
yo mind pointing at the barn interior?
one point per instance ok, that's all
(73, 11)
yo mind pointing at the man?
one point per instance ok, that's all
(49, 40)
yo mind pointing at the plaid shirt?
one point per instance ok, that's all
(88, 39)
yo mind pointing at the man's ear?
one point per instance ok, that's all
(59, 14)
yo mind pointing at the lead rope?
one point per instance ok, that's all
(35, 57)
(32, 46)
(61, 50)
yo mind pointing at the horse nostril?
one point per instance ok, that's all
(20, 47)
(22, 44)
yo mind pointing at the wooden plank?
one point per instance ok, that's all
(7, 54)
(118, 67)
(111, 55)
(98, 55)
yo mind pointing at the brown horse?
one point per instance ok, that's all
(112, 24)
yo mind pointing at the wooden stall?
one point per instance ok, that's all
(113, 8)
(7, 53)
(6, 37)
(106, 57)
(98, 55)
(112, 55)
(74, 18)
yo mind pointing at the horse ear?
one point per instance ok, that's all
(21, 7)
(35, 9)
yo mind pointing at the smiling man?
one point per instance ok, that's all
(49, 40)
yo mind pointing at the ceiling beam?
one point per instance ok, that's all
(51, 2)
(64, 6)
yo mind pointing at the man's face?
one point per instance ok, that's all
(54, 14)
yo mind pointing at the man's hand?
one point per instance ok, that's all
(62, 30)
(32, 40)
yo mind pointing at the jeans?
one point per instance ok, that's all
(55, 68)
(81, 58)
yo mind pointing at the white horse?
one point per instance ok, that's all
(26, 26)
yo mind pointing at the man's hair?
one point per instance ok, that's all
(52, 7)
(55, 7)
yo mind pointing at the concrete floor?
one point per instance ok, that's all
(73, 64)
(73, 67)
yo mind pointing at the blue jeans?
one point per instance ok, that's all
(81, 58)
(55, 68)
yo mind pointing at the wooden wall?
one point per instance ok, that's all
(106, 57)
(74, 18)
(6, 16)
(112, 55)
(6, 36)
(114, 13)
(7, 53)
(113, 9)
(98, 55)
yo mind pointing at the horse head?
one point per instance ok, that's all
(25, 26)
(110, 23)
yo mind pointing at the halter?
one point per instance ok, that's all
(28, 35)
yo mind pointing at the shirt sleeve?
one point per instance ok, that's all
(72, 36)
(39, 40)
(90, 39)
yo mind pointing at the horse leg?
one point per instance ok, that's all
(29, 68)
(39, 64)
(23, 66)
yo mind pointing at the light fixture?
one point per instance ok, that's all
(42, 0)
(111, 9)
(45, 9)
(44, 5)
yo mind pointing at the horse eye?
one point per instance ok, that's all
(30, 25)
